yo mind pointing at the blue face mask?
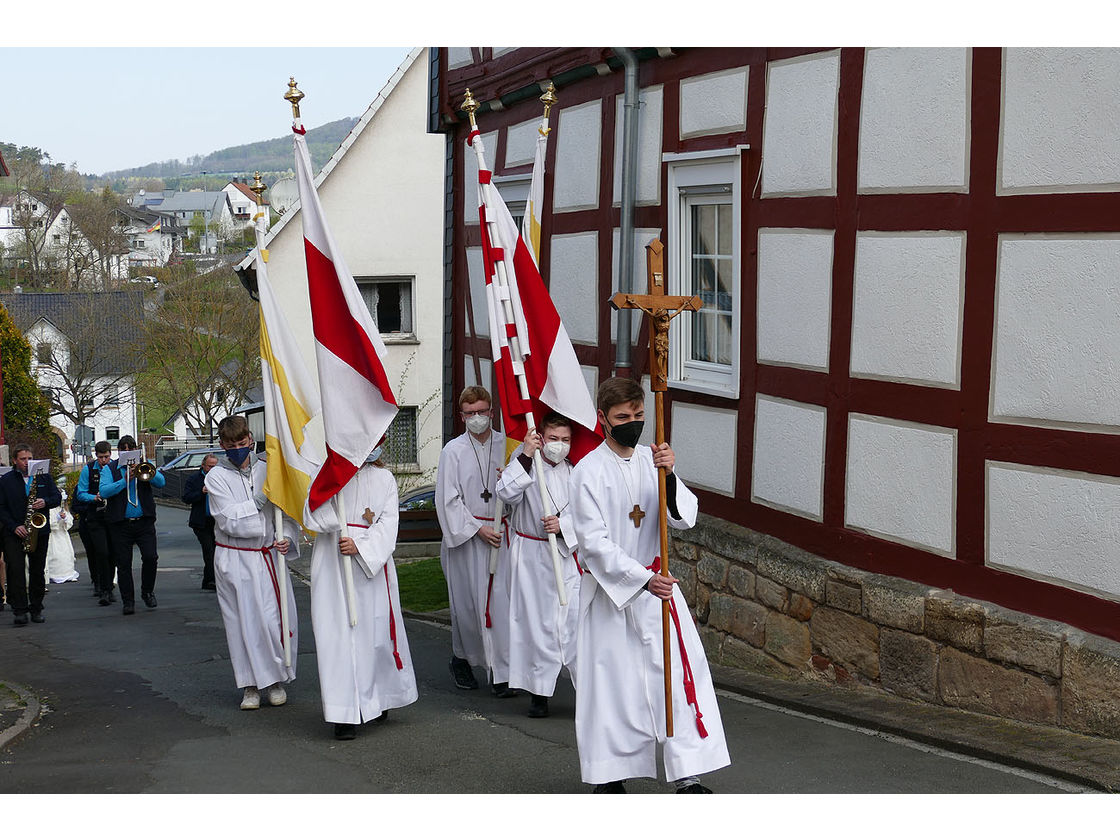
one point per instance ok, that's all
(374, 455)
(238, 456)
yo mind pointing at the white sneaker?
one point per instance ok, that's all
(276, 695)
(251, 700)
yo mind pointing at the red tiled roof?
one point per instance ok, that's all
(245, 189)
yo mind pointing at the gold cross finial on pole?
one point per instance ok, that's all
(549, 98)
(294, 95)
(470, 105)
(258, 187)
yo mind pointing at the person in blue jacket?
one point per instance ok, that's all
(131, 514)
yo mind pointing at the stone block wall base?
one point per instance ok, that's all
(768, 607)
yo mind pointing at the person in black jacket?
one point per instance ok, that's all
(25, 597)
(201, 522)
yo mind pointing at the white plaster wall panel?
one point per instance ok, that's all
(497, 51)
(459, 57)
(1057, 526)
(794, 297)
(715, 103)
(578, 138)
(521, 142)
(907, 307)
(591, 377)
(642, 237)
(704, 442)
(1061, 120)
(648, 188)
(476, 273)
(799, 134)
(1057, 336)
(913, 120)
(901, 482)
(788, 471)
(470, 174)
(574, 275)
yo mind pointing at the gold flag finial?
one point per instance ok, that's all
(294, 95)
(470, 105)
(258, 187)
(549, 98)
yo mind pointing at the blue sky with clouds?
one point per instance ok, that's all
(113, 108)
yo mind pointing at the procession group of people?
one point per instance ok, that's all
(507, 615)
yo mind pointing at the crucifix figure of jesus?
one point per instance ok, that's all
(661, 309)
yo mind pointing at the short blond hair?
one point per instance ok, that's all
(473, 394)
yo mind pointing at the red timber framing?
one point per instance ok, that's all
(593, 74)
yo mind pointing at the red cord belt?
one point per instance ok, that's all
(266, 552)
(686, 668)
(392, 618)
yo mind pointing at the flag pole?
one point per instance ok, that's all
(294, 95)
(278, 515)
(470, 105)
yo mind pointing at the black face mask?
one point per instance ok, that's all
(627, 434)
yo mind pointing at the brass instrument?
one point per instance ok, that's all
(144, 471)
(33, 520)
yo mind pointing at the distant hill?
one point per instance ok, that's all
(265, 156)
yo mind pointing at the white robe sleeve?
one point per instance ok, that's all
(455, 520)
(621, 576)
(233, 516)
(515, 480)
(376, 543)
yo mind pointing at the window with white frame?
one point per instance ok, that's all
(389, 300)
(705, 206)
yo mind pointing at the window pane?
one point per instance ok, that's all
(723, 325)
(725, 219)
(400, 440)
(703, 281)
(388, 315)
(703, 229)
(725, 289)
(406, 307)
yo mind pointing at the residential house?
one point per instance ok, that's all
(391, 168)
(903, 377)
(211, 208)
(82, 354)
(152, 237)
(243, 203)
(91, 252)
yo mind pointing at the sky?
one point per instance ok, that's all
(113, 108)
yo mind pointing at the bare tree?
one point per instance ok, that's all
(42, 188)
(202, 349)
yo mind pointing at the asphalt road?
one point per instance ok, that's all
(147, 704)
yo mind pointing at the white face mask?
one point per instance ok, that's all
(556, 450)
(478, 423)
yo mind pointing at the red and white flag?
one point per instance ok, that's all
(555, 381)
(358, 404)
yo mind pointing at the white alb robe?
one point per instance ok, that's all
(465, 558)
(359, 676)
(541, 631)
(248, 591)
(60, 548)
(620, 700)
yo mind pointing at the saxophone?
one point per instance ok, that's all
(33, 521)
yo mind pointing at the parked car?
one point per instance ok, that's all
(179, 469)
(418, 520)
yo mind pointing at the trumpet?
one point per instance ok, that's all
(144, 471)
(34, 521)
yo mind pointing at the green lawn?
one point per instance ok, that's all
(422, 585)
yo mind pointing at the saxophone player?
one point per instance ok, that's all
(19, 500)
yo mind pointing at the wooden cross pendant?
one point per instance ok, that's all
(637, 515)
(368, 516)
(486, 494)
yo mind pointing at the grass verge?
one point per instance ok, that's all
(422, 585)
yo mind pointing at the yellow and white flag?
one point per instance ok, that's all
(290, 402)
(534, 208)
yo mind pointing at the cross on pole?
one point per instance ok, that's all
(661, 309)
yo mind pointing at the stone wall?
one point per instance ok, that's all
(766, 606)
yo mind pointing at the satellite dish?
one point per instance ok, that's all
(283, 194)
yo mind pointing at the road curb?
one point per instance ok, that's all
(31, 711)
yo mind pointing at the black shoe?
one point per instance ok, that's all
(462, 674)
(695, 787)
(503, 691)
(128, 608)
(103, 601)
(149, 599)
(20, 620)
(37, 618)
(345, 732)
(610, 787)
(538, 706)
(112, 597)
(210, 587)
(381, 718)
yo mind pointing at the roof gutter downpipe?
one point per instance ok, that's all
(630, 106)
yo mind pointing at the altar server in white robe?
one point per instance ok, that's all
(246, 567)
(542, 632)
(620, 697)
(364, 670)
(466, 483)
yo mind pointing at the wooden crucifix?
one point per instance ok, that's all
(661, 309)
